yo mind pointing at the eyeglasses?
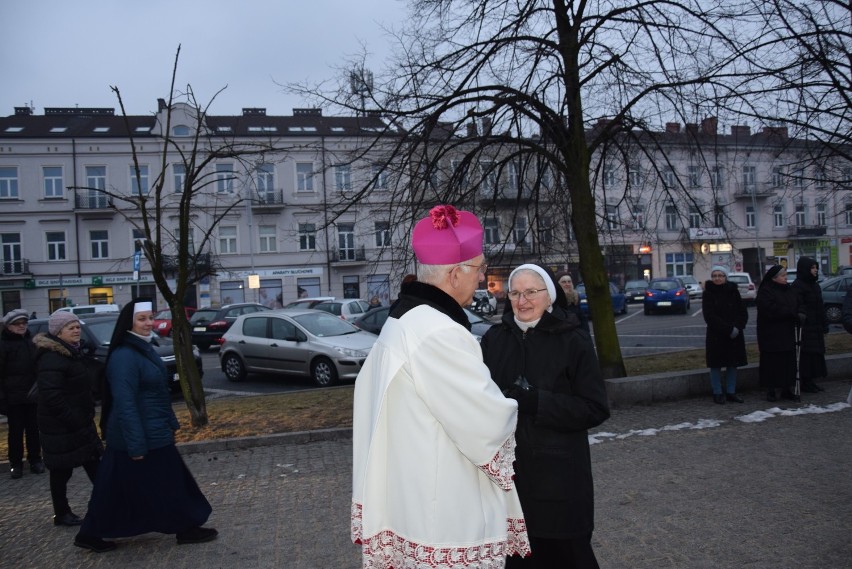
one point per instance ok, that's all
(717, 276)
(481, 268)
(529, 294)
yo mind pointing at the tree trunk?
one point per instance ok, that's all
(190, 378)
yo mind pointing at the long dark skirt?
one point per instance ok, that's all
(777, 369)
(812, 365)
(156, 494)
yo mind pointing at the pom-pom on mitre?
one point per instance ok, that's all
(433, 244)
(444, 216)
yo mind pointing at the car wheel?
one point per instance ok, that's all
(833, 313)
(323, 372)
(234, 368)
(647, 311)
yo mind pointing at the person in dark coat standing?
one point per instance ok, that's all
(66, 409)
(813, 323)
(143, 484)
(539, 355)
(777, 318)
(566, 283)
(726, 316)
(17, 376)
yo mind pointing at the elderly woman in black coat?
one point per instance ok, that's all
(66, 409)
(813, 323)
(777, 317)
(540, 356)
(726, 317)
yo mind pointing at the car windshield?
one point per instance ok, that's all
(664, 285)
(163, 315)
(101, 329)
(203, 316)
(739, 279)
(636, 284)
(323, 324)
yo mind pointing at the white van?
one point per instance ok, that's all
(90, 309)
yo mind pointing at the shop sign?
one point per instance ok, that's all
(706, 233)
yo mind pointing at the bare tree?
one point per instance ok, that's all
(511, 104)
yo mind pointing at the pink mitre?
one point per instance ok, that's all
(448, 236)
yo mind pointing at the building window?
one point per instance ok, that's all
(383, 234)
(749, 178)
(608, 175)
(491, 228)
(139, 184)
(750, 217)
(671, 218)
(514, 179)
(346, 241)
(179, 177)
(138, 237)
(821, 214)
(459, 174)
(307, 237)
(304, 176)
(638, 217)
(777, 179)
(669, 177)
(379, 174)
(13, 263)
(520, 232)
(53, 186)
(694, 217)
(678, 264)
(488, 184)
(180, 130)
(545, 230)
(694, 177)
(343, 177)
(778, 215)
(224, 178)
(265, 180)
(8, 182)
(801, 215)
(719, 217)
(100, 244)
(717, 178)
(55, 245)
(848, 211)
(799, 178)
(268, 238)
(611, 217)
(634, 175)
(227, 239)
(545, 177)
(821, 179)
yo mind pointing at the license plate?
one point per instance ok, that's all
(638, 298)
(664, 303)
(199, 329)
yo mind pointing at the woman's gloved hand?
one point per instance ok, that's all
(525, 394)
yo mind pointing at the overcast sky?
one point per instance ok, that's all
(65, 53)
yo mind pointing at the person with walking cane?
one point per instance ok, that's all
(813, 325)
(777, 318)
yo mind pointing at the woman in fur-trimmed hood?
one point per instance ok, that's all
(66, 409)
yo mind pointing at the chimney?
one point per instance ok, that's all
(305, 112)
(486, 125)
(691, 128)
(709, 125)
(779, 131)
(471, 129)
(254, 112)
(161, 105)
(23, 111)
(740, 131)
(673, 127)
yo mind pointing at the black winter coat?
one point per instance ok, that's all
(776, 317)
(723, 309)
(809, 298)
(553, 471)
(66, 403)
(17, 367)
(847, 312)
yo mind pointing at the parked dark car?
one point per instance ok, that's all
(619, 300)
(666, 294)
(833, 292)
(96, 332)
(374, 319)
(210, 324)
(634, 291)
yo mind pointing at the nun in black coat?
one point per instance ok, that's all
(549, 365)
(777, 317)
(813, 324)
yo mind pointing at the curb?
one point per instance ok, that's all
(242, 443)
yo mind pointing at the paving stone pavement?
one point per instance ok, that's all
(767, 495)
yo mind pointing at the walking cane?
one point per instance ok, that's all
(797, 390)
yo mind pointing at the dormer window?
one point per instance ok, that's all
(100, 129)
(180, 130)
(58, 129)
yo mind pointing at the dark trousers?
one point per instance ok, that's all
(22, 421)
(59, 478)
(574, 553)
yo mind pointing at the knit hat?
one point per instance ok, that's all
(59, 320)
(15, 315)
(719, 268)
(548, 279)
(448, 236)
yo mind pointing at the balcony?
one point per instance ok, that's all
(14, 267)
(203, 266)
(92, 202)
(806, 230)
(353, 256)
(268, 200)
(758, 191)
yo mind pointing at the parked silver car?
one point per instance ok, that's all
(301, 342)
(833, 292)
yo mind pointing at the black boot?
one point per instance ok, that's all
(771, 397)
(734, 398)
(718, 398)
(17, 471)
(196, 535)
(808, 386)
(67, 519)
(92, 543)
